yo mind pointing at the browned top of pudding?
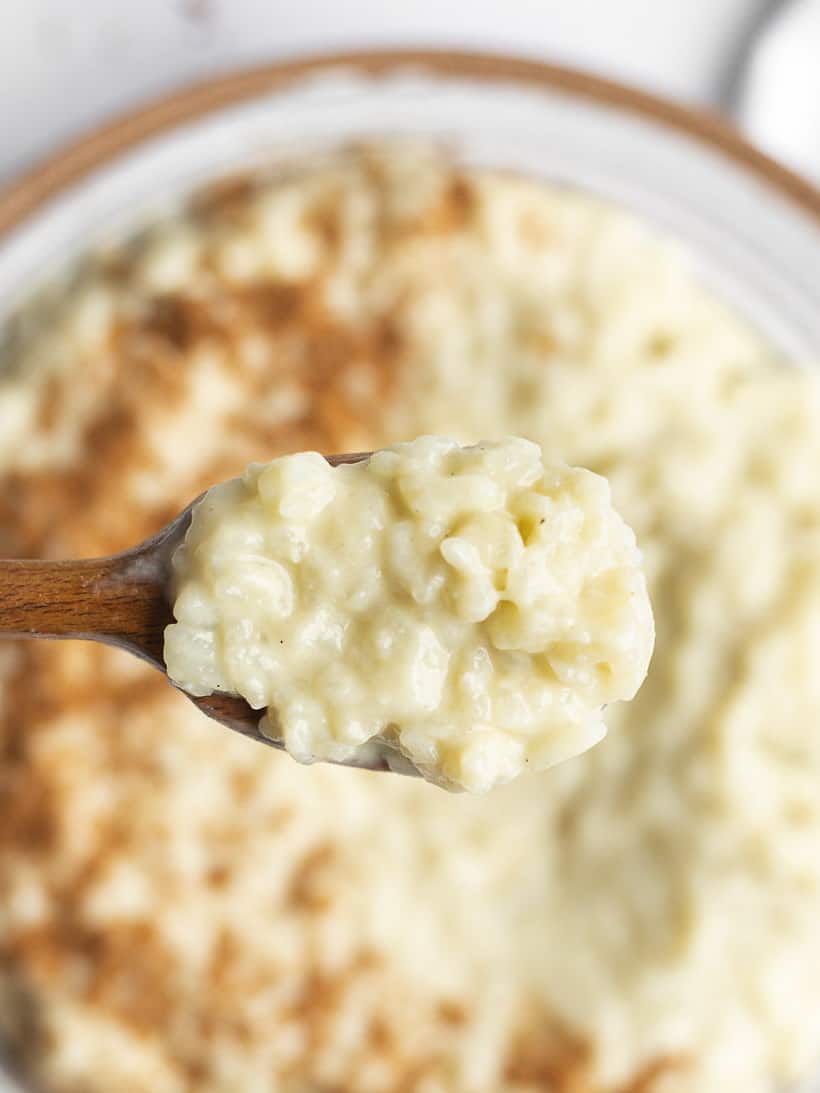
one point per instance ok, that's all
(182, 910)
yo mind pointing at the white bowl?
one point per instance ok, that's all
(753, 228)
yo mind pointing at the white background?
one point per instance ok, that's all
(67, 64)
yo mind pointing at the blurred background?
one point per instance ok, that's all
(66, 65)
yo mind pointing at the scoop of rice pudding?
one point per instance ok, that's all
(468, 608)
(181, 909)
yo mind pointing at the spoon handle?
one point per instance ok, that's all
(117, 600)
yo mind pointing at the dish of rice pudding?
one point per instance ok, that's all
(469, 610)
(181, 909)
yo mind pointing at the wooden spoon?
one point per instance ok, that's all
(122, 600)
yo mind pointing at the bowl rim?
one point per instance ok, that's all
(28, 192)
